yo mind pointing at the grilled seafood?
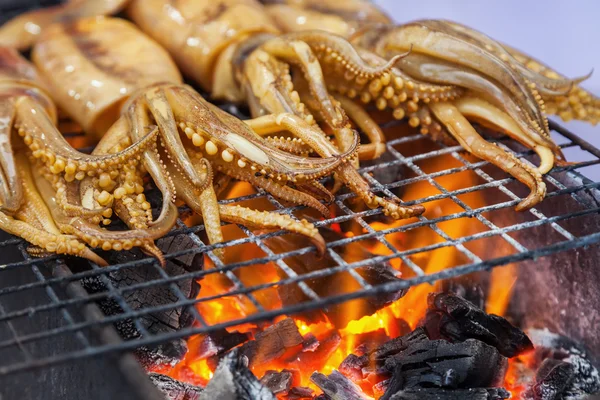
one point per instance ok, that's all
(38, 166)
(103, 70)
(452, 75)
(233, 50)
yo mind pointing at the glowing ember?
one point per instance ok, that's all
(389, 322)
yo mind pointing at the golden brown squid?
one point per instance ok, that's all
(103, 70)
(22, 31)
(233, 50)
(452, 75)
(37, 164)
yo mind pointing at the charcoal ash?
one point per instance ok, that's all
(173, 389)
(455, 319)
(565, 370)
(552, 380)
(336, 386)
(233, 380)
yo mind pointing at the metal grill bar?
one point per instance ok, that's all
(581, 193)
(474, 264)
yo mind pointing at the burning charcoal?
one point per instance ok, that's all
(172, 389)
(219, 342)
(160, 322)
(453, 318)
(398, 344)
(334, 284)
(316, 359)
(443, 364)
(552, 380)
(556, 351)
(459, 394)
(280, 382)
(353, 366)
(234, 381)
(337, 387)
(272, 343)
(367, 342)
(310, 342)
(299, 393)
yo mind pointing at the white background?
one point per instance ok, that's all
(562, 34)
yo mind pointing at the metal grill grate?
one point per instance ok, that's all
(52, 276)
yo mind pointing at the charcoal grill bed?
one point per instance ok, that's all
(51, 329)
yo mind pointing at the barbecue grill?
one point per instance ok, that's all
(52, 330)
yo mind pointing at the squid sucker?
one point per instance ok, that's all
(120, 92)
(308, 70)
(38, 167)
(451, 75)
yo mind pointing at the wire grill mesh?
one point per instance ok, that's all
(46, 278)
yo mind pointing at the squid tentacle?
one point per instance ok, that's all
(268, 220)
(341, 50)
(469, 139)
(57, 154)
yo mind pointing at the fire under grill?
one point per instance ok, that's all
(57, 311)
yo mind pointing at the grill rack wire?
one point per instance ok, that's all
(52, 274)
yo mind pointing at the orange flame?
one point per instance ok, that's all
(411, 308)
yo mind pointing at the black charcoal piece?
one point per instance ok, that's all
(160, 322)
(173, 389)
(556, 351)
(458, 394)
(438, 363)
(455, 319)
(552, 380)
(354, 365)
(337, 387)
(233, 380)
